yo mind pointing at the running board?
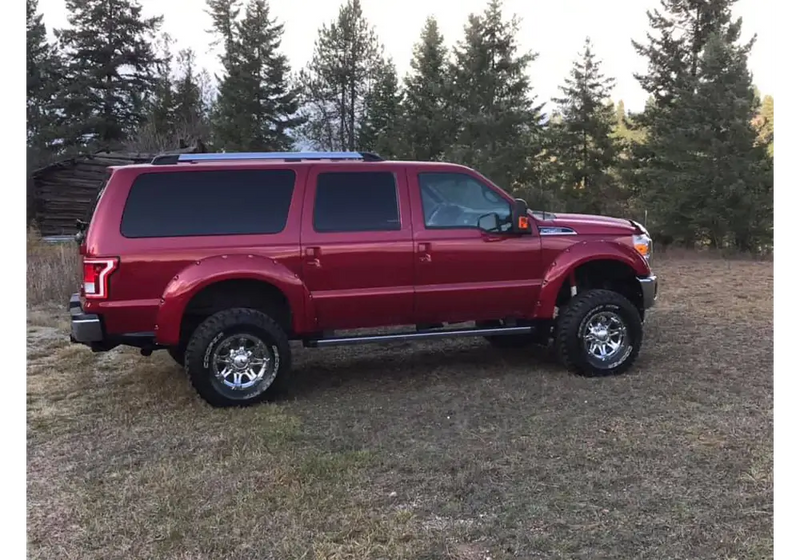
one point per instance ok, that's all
(418, 335)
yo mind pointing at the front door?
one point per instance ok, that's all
(357, 246)
(465, 271)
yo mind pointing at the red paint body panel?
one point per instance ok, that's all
(566, 253)
(358, 279)
(148, 266)
(347, 280)
(464, 274)
(201, 274)
(585, 224)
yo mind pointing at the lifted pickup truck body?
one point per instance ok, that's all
(317, 243)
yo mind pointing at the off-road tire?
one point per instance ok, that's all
(216, 330)
(509, 341)
(572, 322)
(177, 353)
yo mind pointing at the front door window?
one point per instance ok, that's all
(456, 200)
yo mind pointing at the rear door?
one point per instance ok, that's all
(357, 246)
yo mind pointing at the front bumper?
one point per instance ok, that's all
(86, 328)
(649, 291)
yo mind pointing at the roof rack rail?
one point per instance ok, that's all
(172, 159)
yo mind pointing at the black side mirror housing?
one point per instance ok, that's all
(520, 220)
(80, 226)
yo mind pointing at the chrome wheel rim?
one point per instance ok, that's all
(242, 362)
(604, 336)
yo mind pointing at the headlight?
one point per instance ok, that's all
(643, 244)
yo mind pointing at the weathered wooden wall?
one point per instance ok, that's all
(64, 191)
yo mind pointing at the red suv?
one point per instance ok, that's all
(223, 259)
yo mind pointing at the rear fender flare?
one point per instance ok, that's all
(200, 274)
(576, 255)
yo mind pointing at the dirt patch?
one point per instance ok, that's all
(434, 450)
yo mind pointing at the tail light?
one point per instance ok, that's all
(95, 277)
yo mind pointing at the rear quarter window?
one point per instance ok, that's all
(197, 203)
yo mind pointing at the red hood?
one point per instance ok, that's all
(586, 223)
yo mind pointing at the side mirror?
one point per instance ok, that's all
(520, 220)
(489, 222)
(81, 227)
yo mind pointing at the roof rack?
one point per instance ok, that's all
(173, 159)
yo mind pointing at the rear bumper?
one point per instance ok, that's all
(86, 328)
(649, 291)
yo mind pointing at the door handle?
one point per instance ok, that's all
(492, 237)
(312, 257)
(424, 250)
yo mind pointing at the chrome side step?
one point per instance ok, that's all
(418, 335)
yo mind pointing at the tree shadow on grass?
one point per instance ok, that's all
(419, 364)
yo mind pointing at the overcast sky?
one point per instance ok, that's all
(555, 29)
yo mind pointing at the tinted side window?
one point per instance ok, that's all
(456, 200)
(356, 201)
(185, 203)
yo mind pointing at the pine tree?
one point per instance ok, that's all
(227, 111)
(585, 149)
(497, 124)
(224, 14)
(702, 172)
(679, 32)
(38, 55)
(42, 73)
(257, 106)
(380, 128)
(190, 107)
(177, 115)
(162, 103)
(109, 71)
(346, 60)
(426, 126)
(730, 170)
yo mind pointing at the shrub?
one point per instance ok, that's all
(54, 270)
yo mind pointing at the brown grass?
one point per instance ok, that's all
(428, 451)
(54, 271)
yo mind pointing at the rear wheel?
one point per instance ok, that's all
(599, 332)
(238, 357)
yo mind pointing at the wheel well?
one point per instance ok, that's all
(252, 294)
(604, 274)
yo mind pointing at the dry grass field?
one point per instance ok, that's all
(446, 450)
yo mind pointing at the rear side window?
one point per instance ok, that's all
(187, 203)
(356, 201)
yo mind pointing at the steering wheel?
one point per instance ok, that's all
(446, 214)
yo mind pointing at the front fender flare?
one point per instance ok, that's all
(200, 274)
(576, 255)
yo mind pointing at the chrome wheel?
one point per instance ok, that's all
(604, 337)
(242, 361)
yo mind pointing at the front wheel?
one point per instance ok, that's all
(598, 333)
(238, 357)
